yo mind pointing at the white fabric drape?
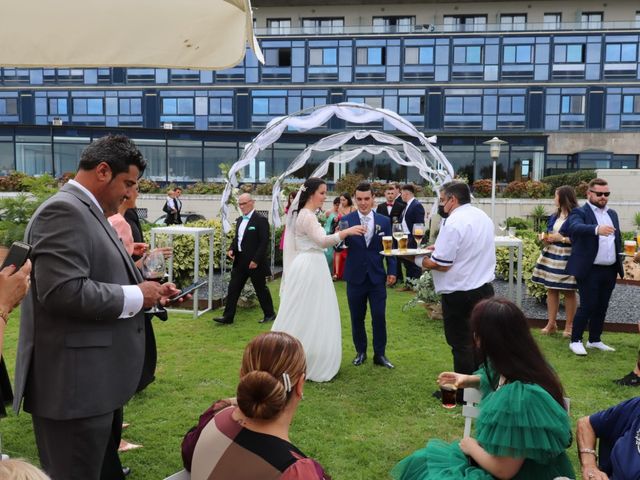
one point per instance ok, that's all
(436, 169)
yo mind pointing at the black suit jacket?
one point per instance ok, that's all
(398, 207)
(255, 244)
(382, 210)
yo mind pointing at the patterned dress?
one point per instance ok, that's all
(552, 262)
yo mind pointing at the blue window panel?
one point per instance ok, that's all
(541, 72)
(169, 106)
(627, 104)
(592, 71)
(374, 56)
(79, 106)
(297, 74)
(111, 122)
(565, 104)
(489, 122)
(41, 106)
(490, 104)
(474, 54)
(393, 74)
(329, 56)
(111, 106)
(297, 57)
(472, 105)
(206, 76)
(509, 55)
(491, 54)
(541, 54)
(277, 106)
(294, 104)
(552, 122)
(345, 55)
(202, 123)
(459, 55)
(504, 105)
(594, 53)
(260, 106)
(162, 75)
(393, 56)
(136, 106)
(251, 75)
(575, 53)
(344, 74)
(523, 54)
(453, 105)
(442, 55)
(491, 73)
(629, 52)
(553, 104)
(517, 105)
(35, 76)
(95, 106)
(612, 52)
(201, 106)
(185, 106)
(612, 122)
(442, 74)
(91, 76)
(226, 106)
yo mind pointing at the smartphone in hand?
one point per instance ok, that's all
(187, 290)
(17, 255)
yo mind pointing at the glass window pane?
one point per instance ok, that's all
(517, 104)
(79, 106)
(260, 106)
(613, 52)
(523, 54)
(169, 106)
(509, 54)
(574, 53)
(504, 105)
(628, 53)
(474, 54)
(453, 105)
(330, 56)
(411, 55)
(627, 104)
(185, 106)
(426, 55)
(361, 56)
(277, 106)
(315, 56)
(94, 106)
(472, 105)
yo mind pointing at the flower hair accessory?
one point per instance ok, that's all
(286, 380)
(303, 188)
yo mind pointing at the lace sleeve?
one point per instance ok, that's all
(308, 225)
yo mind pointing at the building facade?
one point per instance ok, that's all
(560, 83)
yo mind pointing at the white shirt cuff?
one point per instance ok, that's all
(133, 300)
(418, 260)
(597, 230)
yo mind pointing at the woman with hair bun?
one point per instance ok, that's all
(247, 437)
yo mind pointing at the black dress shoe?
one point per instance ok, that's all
(267, 319)
(360, 358)
(223, 320)
(382, 361)
(126, 471)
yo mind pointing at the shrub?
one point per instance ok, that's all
(13, 182)
(146, 185)
(528, 189)
(482, 188)
(581, 189)
(519, 223)
(424, 289)
(265, 188)
(573, 179)
(530, 254)
(515, 189)
(536, 189)
(539, 217)
(205, 188)
(348, 183)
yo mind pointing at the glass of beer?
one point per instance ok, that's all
(402, 243)
(638, 237)
(387, 244)
(630, 247)
(418, 233)
(448, 391)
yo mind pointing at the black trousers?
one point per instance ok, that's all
(80, 449)
(239, 277)
(456, 310)
(595, 291)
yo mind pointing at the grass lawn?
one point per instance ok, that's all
(358, 425)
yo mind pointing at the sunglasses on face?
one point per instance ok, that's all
(599, 194)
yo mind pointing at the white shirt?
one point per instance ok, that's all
(606, 243)
(133, 298)
(370, 224)
(405, 228)
(243, 227)
(466, 244)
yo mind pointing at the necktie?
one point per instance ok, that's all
(245, 217)
(369, 233)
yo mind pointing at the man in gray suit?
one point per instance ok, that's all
(82, 338)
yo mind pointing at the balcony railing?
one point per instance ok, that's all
(441, 28)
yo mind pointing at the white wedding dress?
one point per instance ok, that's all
(308, 302)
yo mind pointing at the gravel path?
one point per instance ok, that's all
(623, 307)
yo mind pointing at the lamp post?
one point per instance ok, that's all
(494, 151)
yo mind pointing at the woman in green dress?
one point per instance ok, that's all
(523, 428)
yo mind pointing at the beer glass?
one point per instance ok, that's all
(448, 391)
(387, 244)
(630, 247)
(418, 233)
(402, 243)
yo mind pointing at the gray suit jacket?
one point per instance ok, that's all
(75, 357)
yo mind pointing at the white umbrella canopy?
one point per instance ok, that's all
(197, 34)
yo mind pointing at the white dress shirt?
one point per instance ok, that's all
(133, 298)
(243, 227)
(405, 228)
(606, 243)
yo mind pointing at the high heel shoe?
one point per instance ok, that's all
(549, 330)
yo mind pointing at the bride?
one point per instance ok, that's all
(308, 303)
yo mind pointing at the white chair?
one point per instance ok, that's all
(181, 475)
(472, 397)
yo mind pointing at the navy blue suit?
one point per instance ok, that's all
(412, 214)
(366, 280)
(595, 282)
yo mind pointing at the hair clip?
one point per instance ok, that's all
(287, 381)
(303, 188)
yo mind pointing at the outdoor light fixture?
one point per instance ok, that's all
(57, 121)
(494, 151)
(167, 126)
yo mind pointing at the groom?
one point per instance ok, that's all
(366, 278)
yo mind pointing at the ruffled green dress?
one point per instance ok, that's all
(517, 420)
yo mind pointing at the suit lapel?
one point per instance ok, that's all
(590, 214)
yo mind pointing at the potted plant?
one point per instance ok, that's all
(425, 295)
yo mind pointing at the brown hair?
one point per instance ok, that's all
(17, 469)
(598, 181)
(409, 188)
(566, 199)
(262, 393)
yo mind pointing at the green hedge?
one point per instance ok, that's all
(573, 179)
(531, 249)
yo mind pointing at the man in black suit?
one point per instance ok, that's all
(413, 213)
(392, 207)
(250, 260)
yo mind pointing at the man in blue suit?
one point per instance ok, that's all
(366, 278)
(594, 230)
(412, 214)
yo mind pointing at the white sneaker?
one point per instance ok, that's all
(577, 348)
(600, 346)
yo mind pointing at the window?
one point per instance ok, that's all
(88, 106)
(323, 25)
(411, 105)
(465, 23)
(631, 104)
(130, 106)
(513, 105)
(375, 102)
(277, 57)
(572, 104)
(513, 21)
(569, 53)
(393, 24)
(418, 55)
(463, 105)
(471, 54)
(371, 56)
(517, 54)
(323, 56)
(270, 106)
(591, 19)
(621, 52)
(308, 102)
(552, 21)
(220, 106)
(279, 26)
(8, 106)
(177, 106)
(58, 106)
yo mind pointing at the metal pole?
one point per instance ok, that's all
(493, 192)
